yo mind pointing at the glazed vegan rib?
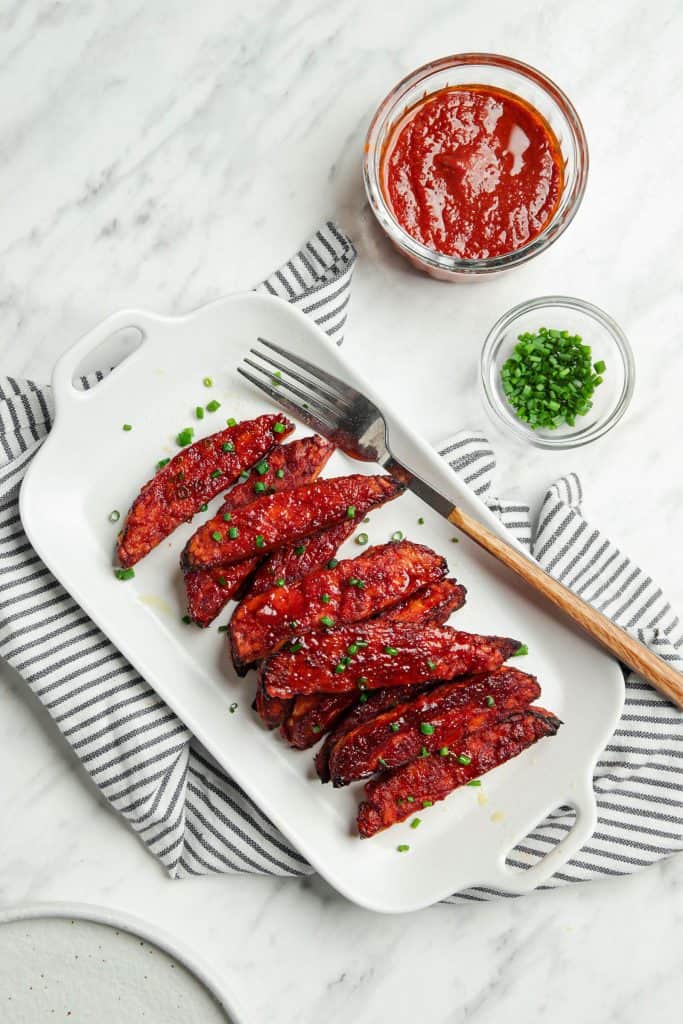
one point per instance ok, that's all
(288, 466)
(310, 716)
(192, 478)
(378, 654)
(396, 795)
(278, 519)
(291, 563)
(439, 718)
(355, 589)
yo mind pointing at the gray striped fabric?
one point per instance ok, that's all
(145, 761)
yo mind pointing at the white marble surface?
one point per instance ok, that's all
(162, 154)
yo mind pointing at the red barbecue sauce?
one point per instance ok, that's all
(472, 172)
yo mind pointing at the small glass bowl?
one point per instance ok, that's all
(499, 72)
(608, 343)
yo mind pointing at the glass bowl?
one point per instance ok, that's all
(608, 343)
(502, 73)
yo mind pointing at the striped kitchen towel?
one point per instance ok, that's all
(192, 816)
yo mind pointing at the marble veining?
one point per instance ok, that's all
(159, 155)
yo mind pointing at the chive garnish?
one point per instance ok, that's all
(222, 629)
(474, 782)
(464, 759)
(362, 682)
(352, 649)
(410, 799)
(124, 574)
(382, 762)
(316, 728)
(325, 598)
(233, 532)
(299, 550)
(203, 507)
(227, 516)
(127, 427)
(233, 707)
(351, 512)
(522, 649)
(222, 581)
(207, 382)
(259, 487)
(259, 541)
(185, 437)
(114, 515)
(262, 467)
(394, 726)
(295, 646)
(228, 446)
(199, 412)
(244, 475)
(213, 405)
(278, 428)
(426, 728)
(216, 473)
(340, 668)
(362, 538)
(232, 422)
(391, 651)
(415, 822)
(444, 751)
(333, 563)
(490, 701)
(217, 536)
(162, 462)
(424, 752)
(280, 474)
(187, 620)
(402, 848)
(431, 665)
(421, 521)
(427, 803)
(327, 620)
(363, 698)
(397, 535)
(280, 581)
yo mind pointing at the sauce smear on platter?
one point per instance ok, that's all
(472, 172)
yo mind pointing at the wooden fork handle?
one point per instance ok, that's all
(623, 646)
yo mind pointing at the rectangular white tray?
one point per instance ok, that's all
(89, 466)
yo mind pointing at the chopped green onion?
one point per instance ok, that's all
(187, 620)
(232, 422)
(212, 405)
(207, 382)
(280, 474)
(299, 550)
(391, 651)
(522, 649)
(474, 782)
(490, 701)
(199, 412)
(410, 799)
(295, 646)
(259, 487)
(382, 762)
(340, 668)
(421, 521)
(216, 473)
(276, 381)
(464, 759)
(424, 752)
(127, 427)
(222, 629)
(316, 728)
(351, 512)
(325, 598)
(228, 446)
(223, 582)
(233, 707)
(397, 535)
(444, 751)
(415, 822)
(261, 467)
(327, 620)
(217, 536)
(114, 515)
(426, 728)
(455, 540)
(280, 581)
(402, 848)
(203, 507)
(431, 665)
(427, 803)
(394, 726)
(363, 698)
(185, 437)
(233, 532)
(279, 428)
(124, 574)
(599, 367)
(162, 462)
(259, 541)
(362, 682)
(362, 538)
(244, 475)
(352, 649)
(227, 516)
(333, 563)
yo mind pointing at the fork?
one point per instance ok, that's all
(356, 425)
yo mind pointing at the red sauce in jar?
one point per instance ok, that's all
(472, 172)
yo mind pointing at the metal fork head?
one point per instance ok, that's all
(324, 402)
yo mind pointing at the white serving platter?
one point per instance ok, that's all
(89, 466)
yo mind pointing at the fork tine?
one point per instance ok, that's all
(310, 398)
(336, 401)
(286, 403)
(328, 378)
